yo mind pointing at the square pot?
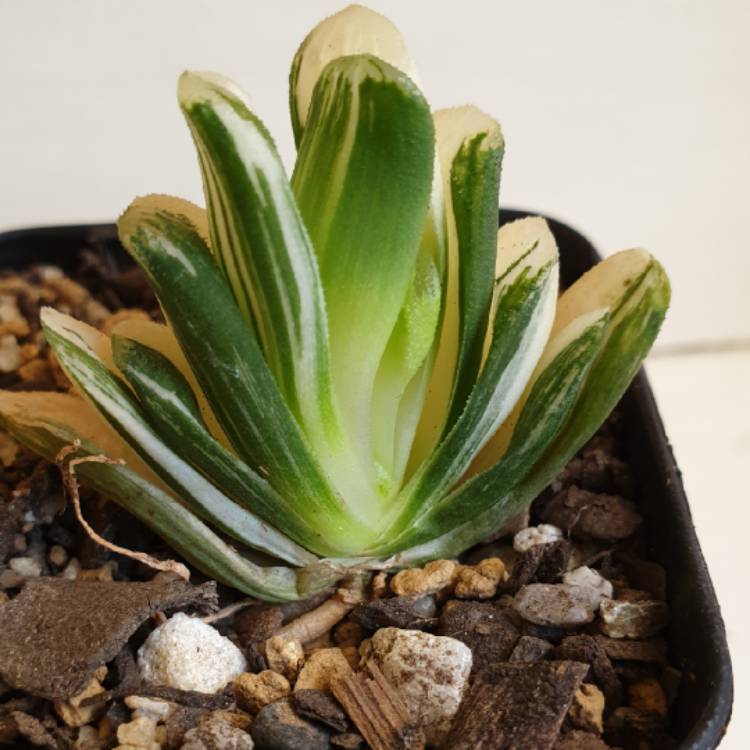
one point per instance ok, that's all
(697, 641)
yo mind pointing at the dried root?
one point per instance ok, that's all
(70, 482)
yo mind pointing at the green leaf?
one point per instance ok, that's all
(394, 416)
(162, 339)
(259, 239)
(542, 412)
(470, 149)
(362, 181)
(47, 422)
(171, 409)
(113, 401)
(228, 364)
(632, 286)
(355, 30)
(524, 308)
(470, 144)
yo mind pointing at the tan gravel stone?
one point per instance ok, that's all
(473, 585)
(75, 715)
(436, 576)
(321, 668)
(140, 732)
(587, 710)
(285, 657)
(253, 691)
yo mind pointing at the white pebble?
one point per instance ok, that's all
(188, 654)
(527, 538)
(25, 566)
(591, 581)
(430, 673)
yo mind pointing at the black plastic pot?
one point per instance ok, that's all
(696, 635)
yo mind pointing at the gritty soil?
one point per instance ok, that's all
(566, 633)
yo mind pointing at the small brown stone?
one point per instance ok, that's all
(529, 648)
(348, 633)
(278, 726)
(319, 706)
(586, 649)
(648, 695)
(253, 691)
(633, 619)
(256, 624)
(396, 611)
(631, 727)
(653, 650)
(589, 515)
(542, 563)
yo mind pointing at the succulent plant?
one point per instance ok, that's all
(358, 369)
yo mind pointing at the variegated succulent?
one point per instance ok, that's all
(358, 368)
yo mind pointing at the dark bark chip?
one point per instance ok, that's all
(516, 706)
(57, 632)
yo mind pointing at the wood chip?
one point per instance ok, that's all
(56, 633)
(518, 706)
(377, 711)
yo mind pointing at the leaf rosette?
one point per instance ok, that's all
(358, 369)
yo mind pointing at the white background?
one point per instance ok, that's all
(631, 121)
